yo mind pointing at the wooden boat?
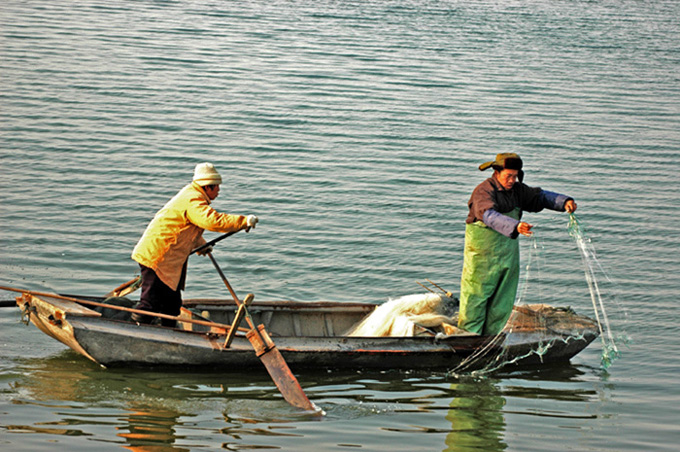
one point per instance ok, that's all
(308, 334)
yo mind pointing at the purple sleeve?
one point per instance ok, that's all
(500, 223)
(553, 201)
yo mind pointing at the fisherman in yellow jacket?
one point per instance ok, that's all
(177, 229)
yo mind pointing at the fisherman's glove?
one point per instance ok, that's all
(251, 221)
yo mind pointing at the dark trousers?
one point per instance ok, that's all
(157, 297)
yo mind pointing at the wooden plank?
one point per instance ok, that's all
(69, 307)
(328, 320)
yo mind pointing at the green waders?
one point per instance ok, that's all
(490, 277)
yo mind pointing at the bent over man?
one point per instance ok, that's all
(491, 259)
(175, 230)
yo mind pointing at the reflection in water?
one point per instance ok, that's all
(150, 430)
(145, 410)
(145, 425)
(148, 405)
(476, 416)
(478, 408)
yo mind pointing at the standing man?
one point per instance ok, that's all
(177, 229)
(491, 261)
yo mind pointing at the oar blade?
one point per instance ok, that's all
(285, 380)
(279, 371)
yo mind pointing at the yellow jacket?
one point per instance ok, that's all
(177, 229)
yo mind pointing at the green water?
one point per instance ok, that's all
(354, 131)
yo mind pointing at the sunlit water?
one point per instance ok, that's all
(354, 131)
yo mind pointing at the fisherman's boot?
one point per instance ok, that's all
(169, 323)
(140, 319)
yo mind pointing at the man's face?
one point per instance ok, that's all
(212, 191)
(507, 178)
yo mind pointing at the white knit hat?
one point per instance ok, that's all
(206, 174)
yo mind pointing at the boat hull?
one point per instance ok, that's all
(308, 335)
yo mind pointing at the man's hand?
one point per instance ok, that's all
(525, 228)
(205, 251)
(251, 221)
(570, 206)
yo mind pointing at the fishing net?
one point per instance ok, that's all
(600, 298)
(411, 315)
(434, 314)
(592, 267)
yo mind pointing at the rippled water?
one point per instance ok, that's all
(353, 130)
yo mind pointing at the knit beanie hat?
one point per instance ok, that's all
(206, 174)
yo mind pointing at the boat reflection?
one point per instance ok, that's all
(148, 407)
(150, 429)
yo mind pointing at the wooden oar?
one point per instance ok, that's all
(134, 284)
(212, 242)
(271, 356)
(126, 288)
(123, 308)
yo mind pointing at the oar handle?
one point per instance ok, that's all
(231, 290)
(213, 241)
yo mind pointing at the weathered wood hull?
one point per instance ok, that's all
(309, 335)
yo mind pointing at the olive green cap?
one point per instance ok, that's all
(506, 160)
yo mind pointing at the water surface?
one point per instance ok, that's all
(354, 131)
